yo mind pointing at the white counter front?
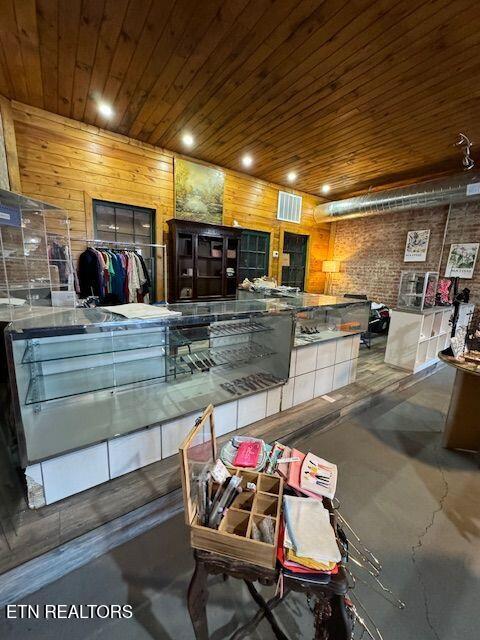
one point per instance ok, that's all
(315, 370)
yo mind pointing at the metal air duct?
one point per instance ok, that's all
(455, 189)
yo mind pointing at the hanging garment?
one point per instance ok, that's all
(119, 274)
(118, 278)
(90, 274)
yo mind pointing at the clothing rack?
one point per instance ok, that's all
(135, 245)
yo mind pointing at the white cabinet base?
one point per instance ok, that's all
(414, 339)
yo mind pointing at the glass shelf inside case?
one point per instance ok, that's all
(89, 382)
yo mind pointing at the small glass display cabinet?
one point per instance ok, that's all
(417, 290)
(87, 375)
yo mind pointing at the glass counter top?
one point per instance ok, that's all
(300, 301)
(311, 301)
(83, 320)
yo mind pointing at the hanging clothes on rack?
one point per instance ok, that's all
(120, 275)
(59, 256)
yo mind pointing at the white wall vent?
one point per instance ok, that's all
(289, 207)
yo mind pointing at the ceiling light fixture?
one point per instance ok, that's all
(188, 140)
(291, 176)
(105, 110)
(247, 160)
(326, 188)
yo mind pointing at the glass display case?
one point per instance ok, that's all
(319, 317)
(417, 290)
(36, 268)
(82, 376)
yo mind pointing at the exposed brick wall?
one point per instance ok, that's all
(371, 249)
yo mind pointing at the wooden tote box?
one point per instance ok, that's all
(233, 538)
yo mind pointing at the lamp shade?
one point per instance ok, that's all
(330, 266)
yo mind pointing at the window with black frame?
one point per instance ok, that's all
(254, 254)
(134, 226)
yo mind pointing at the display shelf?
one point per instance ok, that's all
(321, 336)
(427, 327)
(432, 348)
(38, 351)
(417, 290)
(74, 370)
(53, 386)
(415, 337)
(421, 353)
(221, 356)
(437, 324)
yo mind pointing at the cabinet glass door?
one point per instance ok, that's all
(295, 245)
(185, 266)
(210, 255)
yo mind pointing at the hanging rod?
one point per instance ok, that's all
(123, 244)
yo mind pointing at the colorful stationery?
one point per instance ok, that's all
(318, 476)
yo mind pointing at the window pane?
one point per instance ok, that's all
(124, 220)
(125, 237)
(105, 218)
(142, 223)
(105, 235)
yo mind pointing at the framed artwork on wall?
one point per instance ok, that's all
(198, 192)
(461, 260)
(417, 246)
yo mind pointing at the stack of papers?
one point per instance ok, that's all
(309, 537)
(142, 311)
(14, 302)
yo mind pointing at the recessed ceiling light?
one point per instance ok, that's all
(247, 160)
(326, 188)
(105, 110)
(291, 176)
(188, 140)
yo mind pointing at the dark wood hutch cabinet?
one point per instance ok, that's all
(203, 261)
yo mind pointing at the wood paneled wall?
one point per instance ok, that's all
(70, 163)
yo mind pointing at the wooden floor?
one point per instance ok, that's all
(26, 534)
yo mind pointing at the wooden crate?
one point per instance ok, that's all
(234, 535)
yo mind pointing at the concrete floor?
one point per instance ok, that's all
(413, 503)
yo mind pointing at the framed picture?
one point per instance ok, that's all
(417, 246)
(461, 260)
(198, 192)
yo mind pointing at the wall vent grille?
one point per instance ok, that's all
(289, 207)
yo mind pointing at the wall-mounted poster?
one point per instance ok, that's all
(461, 260)
(417, 246)
(198, 192)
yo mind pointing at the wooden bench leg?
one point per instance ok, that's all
(197, 601)
(265, 607)
(339, 623)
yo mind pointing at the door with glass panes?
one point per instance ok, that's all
(254, 254)
(129, 227)
(295, 255)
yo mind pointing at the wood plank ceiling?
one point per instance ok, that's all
(354, 93)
